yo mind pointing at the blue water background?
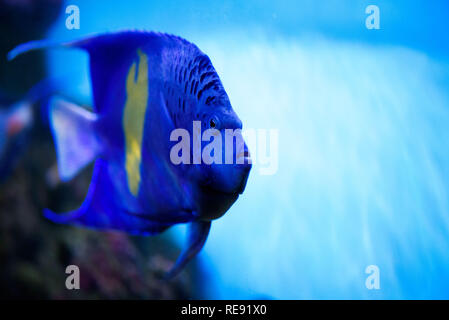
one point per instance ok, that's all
(363, 120)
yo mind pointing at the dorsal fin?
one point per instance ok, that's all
(107, 52)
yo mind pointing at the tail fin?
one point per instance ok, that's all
(73, 131)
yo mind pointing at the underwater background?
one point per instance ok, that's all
(363, 159)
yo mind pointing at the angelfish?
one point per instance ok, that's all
(145, 85)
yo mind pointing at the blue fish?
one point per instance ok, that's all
(145, 85)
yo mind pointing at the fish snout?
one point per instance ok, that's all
(244, 165)
(243, 156)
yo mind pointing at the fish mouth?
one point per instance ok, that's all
(244, 157)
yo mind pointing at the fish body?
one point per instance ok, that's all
(146, 85)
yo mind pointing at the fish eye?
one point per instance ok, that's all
(213, 123)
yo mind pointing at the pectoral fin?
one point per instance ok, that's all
(197, 235)
(76, 141)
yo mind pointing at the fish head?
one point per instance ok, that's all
(220, 161)
(226, 160)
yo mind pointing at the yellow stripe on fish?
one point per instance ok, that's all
(134, 117)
